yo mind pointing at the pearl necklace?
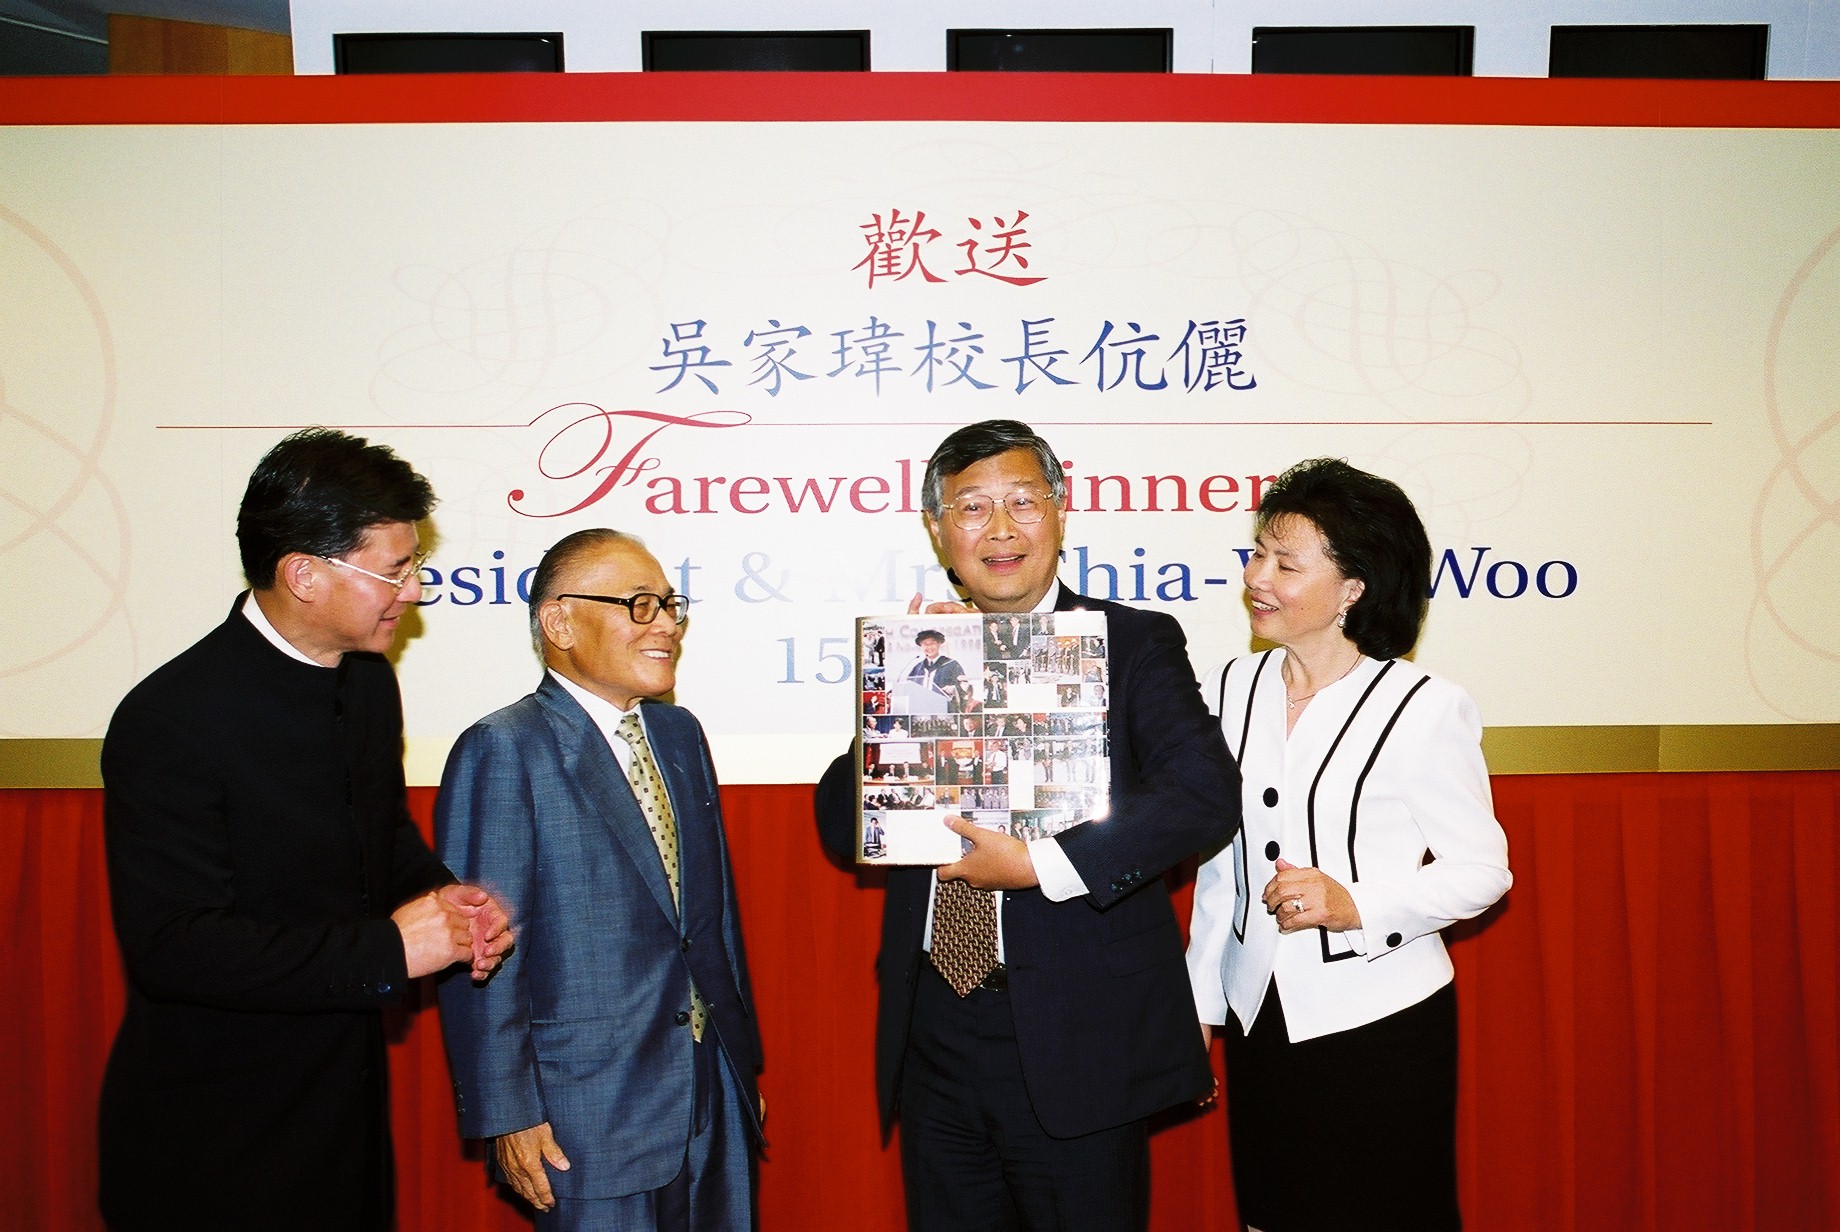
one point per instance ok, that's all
(1291, 703)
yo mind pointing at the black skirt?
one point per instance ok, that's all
(1350, 1132)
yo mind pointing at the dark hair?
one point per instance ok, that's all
(973, 443)
(317, 492)
(553, 570)
(1373, 533)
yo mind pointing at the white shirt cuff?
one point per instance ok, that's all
(1059, 880)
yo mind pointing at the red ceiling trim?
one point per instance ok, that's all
(1065, 97)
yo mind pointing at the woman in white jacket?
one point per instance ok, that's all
(1368, 828)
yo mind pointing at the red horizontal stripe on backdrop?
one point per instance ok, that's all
(486, 98)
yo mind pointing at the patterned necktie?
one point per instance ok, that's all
(964, 934)
(655, 803)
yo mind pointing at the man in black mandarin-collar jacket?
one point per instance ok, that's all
(1024, 1105)
(271, 892)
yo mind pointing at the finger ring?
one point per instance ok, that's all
(1297, 905)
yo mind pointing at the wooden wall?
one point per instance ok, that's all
(148, 46)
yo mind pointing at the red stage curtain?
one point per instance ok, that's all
(1650, 1033)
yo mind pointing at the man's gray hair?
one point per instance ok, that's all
(557, 563)
(973, 443)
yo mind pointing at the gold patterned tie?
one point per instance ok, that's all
(655, 803)
(964, 934)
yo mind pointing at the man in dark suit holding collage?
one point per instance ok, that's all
(1023, 1096)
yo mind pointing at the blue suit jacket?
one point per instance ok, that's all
(586, 1023)
(1104, 1015)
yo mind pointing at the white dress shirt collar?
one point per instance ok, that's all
(257, 617)
(605, 714)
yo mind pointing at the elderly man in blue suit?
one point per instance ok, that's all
(613, 1058)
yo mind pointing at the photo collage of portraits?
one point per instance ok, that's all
(999, 719)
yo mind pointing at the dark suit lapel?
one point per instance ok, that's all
(602, 786)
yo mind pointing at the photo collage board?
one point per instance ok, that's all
(999, 719)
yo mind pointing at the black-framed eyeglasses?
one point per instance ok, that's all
(644, 606)
(1025, 508)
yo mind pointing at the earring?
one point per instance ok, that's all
(1341, 619)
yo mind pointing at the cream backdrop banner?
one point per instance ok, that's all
(1601, 360)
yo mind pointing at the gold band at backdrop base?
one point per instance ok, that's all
(1510, 750)
(50, 763)
(1684, 749)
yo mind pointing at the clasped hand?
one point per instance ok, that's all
(456, 923)
(1309, 898)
